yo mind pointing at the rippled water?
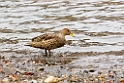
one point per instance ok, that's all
(98, 25)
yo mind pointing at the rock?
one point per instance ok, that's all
(5, 80)
(33, 81)
(64, 76)
(9, 70)
(1, 69)
(40, 80)
(13, 77)
(0, 80)
(51, 79)
(121, 80)
(73, 79)
(29, 73)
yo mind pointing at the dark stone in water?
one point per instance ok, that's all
(91, 70)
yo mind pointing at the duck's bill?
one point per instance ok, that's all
(71, 34)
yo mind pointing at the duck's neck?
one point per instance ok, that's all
(62, 35)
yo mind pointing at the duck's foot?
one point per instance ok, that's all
(47, 54)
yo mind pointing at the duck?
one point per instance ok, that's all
(50, 41)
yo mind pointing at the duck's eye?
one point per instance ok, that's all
(68, 30)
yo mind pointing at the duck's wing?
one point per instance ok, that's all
(44, 37)
(49, 44)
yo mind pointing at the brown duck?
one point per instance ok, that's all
(50, 41)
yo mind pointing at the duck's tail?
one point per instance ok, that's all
(34, 44)
(28, 44)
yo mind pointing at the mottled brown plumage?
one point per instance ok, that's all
(50, 41)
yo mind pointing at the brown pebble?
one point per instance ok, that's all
(13, 77)
(2, 57)
(41, 69)
(29, 73)
(0, 80)
(51, 79)
(84, 80)
(109, 81)
(73, 79)
(22, 82)
(100, 77)
(106, 74)
(5, 80)
(6, 61)
(121, 80)
(1, 69)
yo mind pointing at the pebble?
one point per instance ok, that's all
(5, 80)
(121, 80)
(13, 77)
(72, 79)
(51, 79)
(33, 81)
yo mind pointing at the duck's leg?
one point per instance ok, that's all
(45, 52)
(49, 53)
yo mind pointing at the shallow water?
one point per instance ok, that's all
(98, 26)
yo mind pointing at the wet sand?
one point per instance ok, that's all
(94, 55)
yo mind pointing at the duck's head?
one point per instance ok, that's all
(65, 32)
